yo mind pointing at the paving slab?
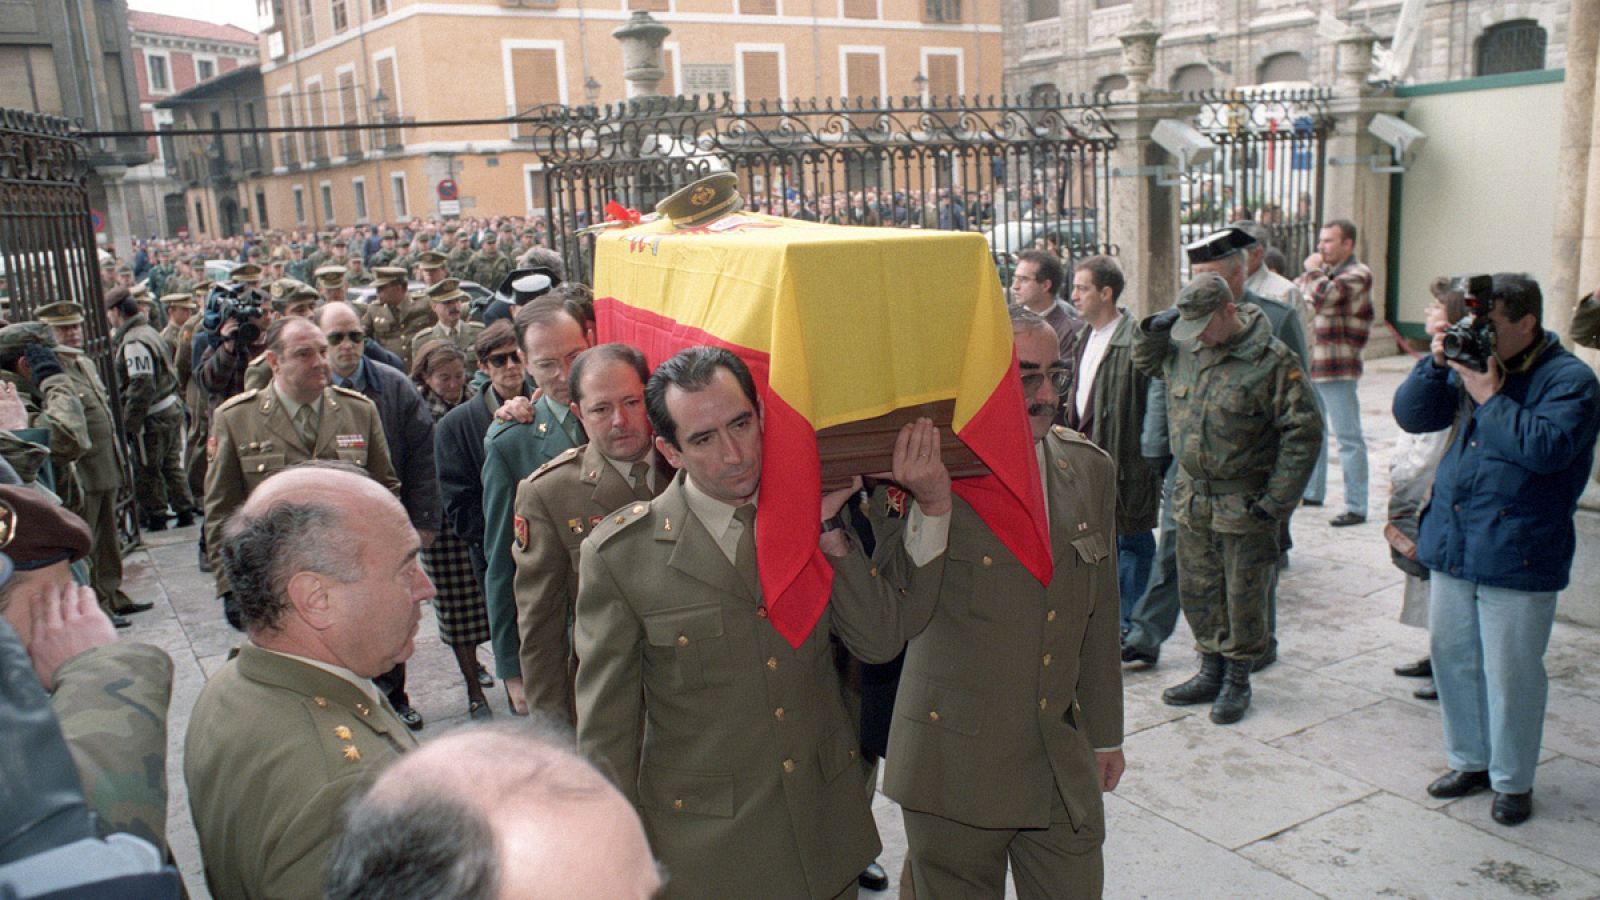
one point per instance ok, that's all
(1390, 744)
(1285, 700)
(1389, 847)
(1572, 726)
(1312, 644)
(1226, 787)
(1373, 671)
(1142, 849)
(1566, 814)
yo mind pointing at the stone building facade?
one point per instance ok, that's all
(1072, 46)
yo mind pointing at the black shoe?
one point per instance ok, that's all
(1511, 809)
(186, 518)
(1132, 653)
(1310, 502)
(205, 561)
(1429, 691)
(1202, 688)
(1422, 668)
(155, 523)
(1458, 784)
(1265, 659)
(1345, 519)
(1234, 697)
(484, 678)
(133, 607)
(479, 709)
(873, 878)
(411, 717)
(117, 621)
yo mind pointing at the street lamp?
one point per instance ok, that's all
(380, 103)
(921, 84)
(591, 90)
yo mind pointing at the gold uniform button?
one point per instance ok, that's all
(261, 467)
(788, 766)
(1043, 703)
(1050, 616)
(778, 714)
(621, 519)
(361, 708)
(1047, 659)
(988, 561)
(321, 702)
(933, 715)
(1061, 464)
(683, 640)
(678, 803)
(873, 571)
(638, 508)
(772, 663)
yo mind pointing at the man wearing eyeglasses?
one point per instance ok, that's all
(551, 332)
(1244, 428)
(1008, 720)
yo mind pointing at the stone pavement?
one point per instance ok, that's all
(1318, 792)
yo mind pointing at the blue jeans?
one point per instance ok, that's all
(1342, 410)
(1136, 553)
(1488, 663)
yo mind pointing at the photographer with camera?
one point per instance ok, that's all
(1497, 534)
(236, 317)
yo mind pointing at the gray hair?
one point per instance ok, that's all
(1025, 319)
(261, 551)
(544, 256)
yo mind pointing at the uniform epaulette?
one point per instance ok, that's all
(259, 359)
(349, 392)
(239, 399)
(1063, 434)
(565, 457)
(619, 521)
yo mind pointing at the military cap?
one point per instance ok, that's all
(116, 295)
(383, 276)
(36, 531)
(140, 291)
(24, 333)
(461, 234)
(303, 292)
(124, 269)
(283, 287)
(64, 313)
(491, 237)
(249, 273)
(445, 291)
(1218, 245)
(431, 259)
(1203, 295)
(701, 201)
(178, 301)
(330, 276)
(388, 234)
(201, 288)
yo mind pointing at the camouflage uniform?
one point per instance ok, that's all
(489, 268)
(459, 262)
(1245, 430)
(152, 415)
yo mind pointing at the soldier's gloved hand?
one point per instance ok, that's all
(42, 362)
(1161, 321)
(1260, 512)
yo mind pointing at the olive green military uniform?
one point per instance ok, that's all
(555, 509)
(1245, 430)
(463, 336)
(1008, 688)
(275, 749)
(252, 437)
(395, 326)
(383, 258)
(358, 279)
(97, 476)
(152, 415)
(736, 747)
(459, 262)
(489, 267)
(112, 704)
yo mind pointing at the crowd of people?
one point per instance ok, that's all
(593, 520)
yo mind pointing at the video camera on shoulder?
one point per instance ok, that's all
(243, 303)
(1470, 341)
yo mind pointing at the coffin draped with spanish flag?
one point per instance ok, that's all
(838, 324)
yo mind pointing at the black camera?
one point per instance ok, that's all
(1471, 340)
(243, 303)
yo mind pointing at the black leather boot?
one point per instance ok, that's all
(1235, 696)
(1202, 688)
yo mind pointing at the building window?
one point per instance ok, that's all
(1283, 67)
(205, 69)
(299, 205)
(318, 140)
(261, 208)
(199, 217)
(380, 8)
(941, 10)
(863, 74)
(758, 7)
(859, 9)
(535, 80)
(327, 201)
(288, 148)
(651, 5)
(397, 185)
(160, 78)
(1043, 9)
(341, 19)
(308, 23)
(349, 113)
(944, 75)
(1515, 46)
(760, 75)
(1111, 83)
(389, 109)
(359, 186)
(1194, 77)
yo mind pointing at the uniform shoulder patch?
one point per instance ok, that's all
(617, 522)
(348, 392)
(239, 399)
(1067, 435)
(260, 359)
(566, 457)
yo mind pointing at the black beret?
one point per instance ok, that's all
(1218, 245)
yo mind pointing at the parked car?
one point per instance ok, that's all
(1073, 235)
(478, 296)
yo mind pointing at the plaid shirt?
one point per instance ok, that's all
(1342, 300)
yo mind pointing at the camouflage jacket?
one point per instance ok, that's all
(1244, 425)
(489, 269)
(112, 705)
(146, 373)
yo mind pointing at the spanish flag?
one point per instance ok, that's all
(837, 324)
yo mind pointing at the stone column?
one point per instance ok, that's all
(1352, 190)
(1144, 214)
(642, 64)
(117, 210)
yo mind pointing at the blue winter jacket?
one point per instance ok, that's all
(1505, 494)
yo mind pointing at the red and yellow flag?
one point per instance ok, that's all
(837, 324)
